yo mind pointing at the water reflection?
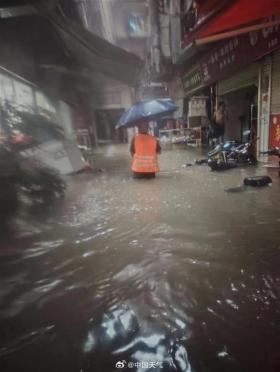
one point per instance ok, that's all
(122, 336)
(173, 271)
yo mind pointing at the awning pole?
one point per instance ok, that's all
(240, 31)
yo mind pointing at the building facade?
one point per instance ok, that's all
(126, 24)
(226, 51)
(53, 65)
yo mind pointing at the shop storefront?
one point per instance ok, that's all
(199, 103)
(240, 95)
(244, 72)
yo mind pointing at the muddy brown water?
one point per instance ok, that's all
(170, 274)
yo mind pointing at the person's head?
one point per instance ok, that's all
(221, 105)
(143, 127)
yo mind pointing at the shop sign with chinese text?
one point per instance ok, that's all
(237, 52)
(192, 81)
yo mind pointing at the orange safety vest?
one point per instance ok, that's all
(145, 157)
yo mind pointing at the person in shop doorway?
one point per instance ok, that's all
(144, 149)
(219, 122)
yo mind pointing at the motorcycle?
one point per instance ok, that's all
(231, 154)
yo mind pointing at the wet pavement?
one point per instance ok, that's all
(170, 274)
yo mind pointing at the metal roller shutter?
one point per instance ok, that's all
(243, 79)
(275, 84)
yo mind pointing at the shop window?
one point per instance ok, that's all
(45, 107)
(6, 88)
(136, 25)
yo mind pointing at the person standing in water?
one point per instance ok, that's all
(144, 149)
(220, 119)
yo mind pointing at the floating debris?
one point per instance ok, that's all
(257, 181)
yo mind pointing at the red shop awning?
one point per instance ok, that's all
(243, 15)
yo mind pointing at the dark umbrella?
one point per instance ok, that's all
(146, 110)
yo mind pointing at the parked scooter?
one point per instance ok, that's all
(231, 154)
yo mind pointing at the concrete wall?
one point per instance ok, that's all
(65, 119)
(111, 94)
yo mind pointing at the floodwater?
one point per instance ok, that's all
(170, 274)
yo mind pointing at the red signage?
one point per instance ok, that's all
(238, 52)
(275, 130)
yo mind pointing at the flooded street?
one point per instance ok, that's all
(169, 274)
